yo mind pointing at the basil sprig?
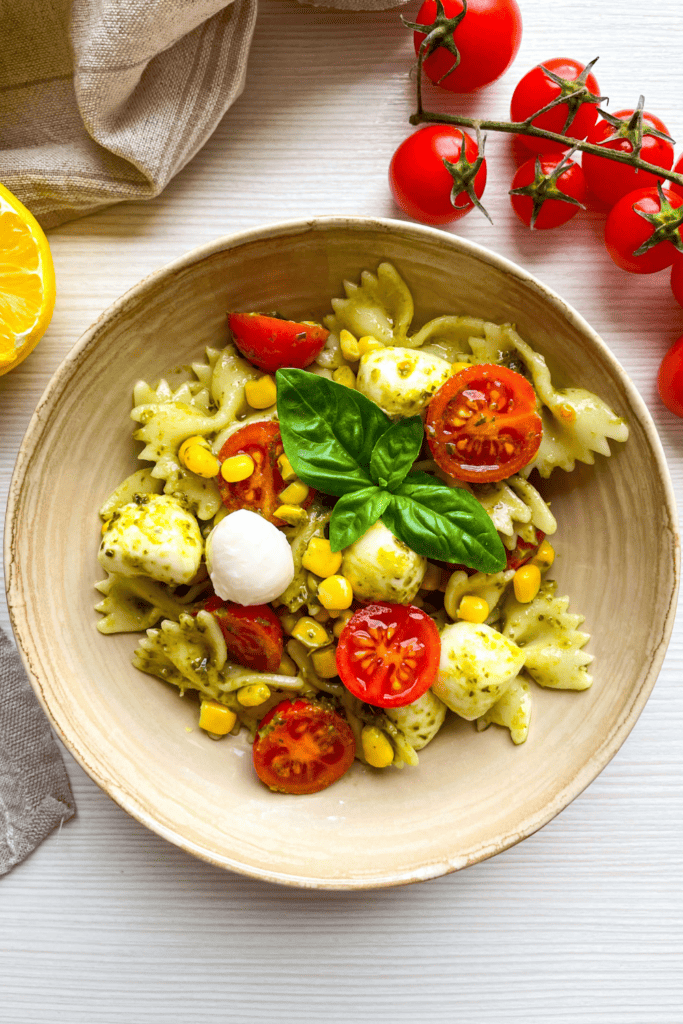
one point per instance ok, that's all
(341, 443)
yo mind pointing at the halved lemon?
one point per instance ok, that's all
(27, 282)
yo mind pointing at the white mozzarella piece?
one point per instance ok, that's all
(477, 665)
(381, 568)
(249, 559)
(401, 381)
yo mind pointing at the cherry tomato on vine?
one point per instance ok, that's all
(260, 491)
(610, 180)
(271, 343)
(302, 747)
(677, 278)
(253, 633)
(537, 89)
(482, 424)
(540, 209)
(487, 39)
(670, 378)
(421, 183)
(388, 654)
(626, 230)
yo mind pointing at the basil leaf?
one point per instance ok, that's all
(328, 431)
(444, 522)
(354, 514)
(395, 452)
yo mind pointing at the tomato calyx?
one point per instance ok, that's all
(666, 223)
(574, 92)
(464, 172)
(545, 186)
(439, 36)
(632, 129)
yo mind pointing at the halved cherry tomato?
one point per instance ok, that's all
(388, 654)
(302, 747)
(482, 424)
(524, 551)
(260, 491)
(253, 633)
(271, 343)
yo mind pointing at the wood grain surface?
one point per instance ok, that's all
(106, 923)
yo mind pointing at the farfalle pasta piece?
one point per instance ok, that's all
(133, 603)
(140, 482)
(381, 306)
(512, 711)
(549, 636)
(516, 509)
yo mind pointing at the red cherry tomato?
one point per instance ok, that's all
(524, 551)
(420, 182)
(626, 231)
(482, 424)
(672, 185)
(259, 492)
(553, 212)
(301, 747)
(253, 634)
(610, 180)
(537, 89)
(670, 378)
(487, 40)
(271, 343)
(677, 278)
(388, 654)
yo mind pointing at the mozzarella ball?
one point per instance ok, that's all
(420, 721)
(401, 381)
(477, 665)
(152, 536)
(381, 568)
(249, 560)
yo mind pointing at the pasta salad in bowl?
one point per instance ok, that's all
(369, 531)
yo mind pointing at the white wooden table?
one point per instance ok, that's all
(106, 923)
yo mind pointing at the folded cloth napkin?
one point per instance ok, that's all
(35, 795)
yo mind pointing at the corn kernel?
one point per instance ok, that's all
(189, 442)
(457, 367)
(320, 558)
(261, 393)
(345, 375)
(368, 344)
(287, 667)
(526, 583)
(253, 695)
(292, 514)
(473, 609)
(216, 718)
(310, 633)
(335, 593)
(545, 556)
(285, 467)
(377, 749)
(201, 461)
(432, 578)
(295, 494)
(340, 622)
(349, 346)
(325, 662)
(239, 467)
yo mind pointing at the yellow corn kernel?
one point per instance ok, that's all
(261, 393)
(368, 344)
(349, 346)
(320, 558)
(239, 467)
(473, 609)
(292, 514)
(322, 616)
(201, 461)
(289, 621)
(545, 556)
(285, 467)
(287, 667)
(345, 375)
(216, 718)
(189, 442)
(432, 578)
(377, 749)
(310, 633)
(253, 695)
(325, 662)
(295, 494)
(457, 367)
(340, 622)
(335, 593)
(526, 583)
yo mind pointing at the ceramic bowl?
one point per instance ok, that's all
(473, 794)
